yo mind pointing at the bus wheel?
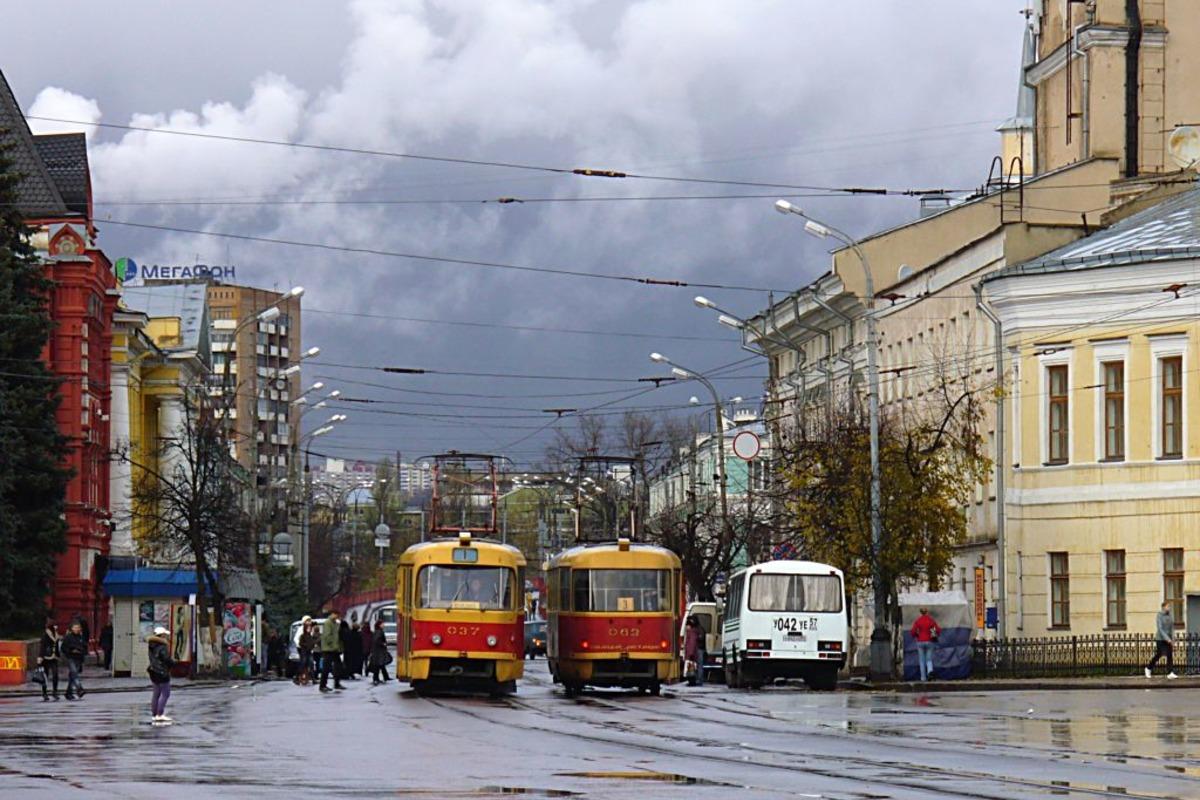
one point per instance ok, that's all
(824, 680)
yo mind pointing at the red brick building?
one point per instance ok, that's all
(55, 197)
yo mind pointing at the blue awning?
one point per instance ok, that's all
(150, 582)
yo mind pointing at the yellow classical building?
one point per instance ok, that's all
(1101, 340)
(161, 354)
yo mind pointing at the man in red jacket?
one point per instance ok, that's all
(925, 631)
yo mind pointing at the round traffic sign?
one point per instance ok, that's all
(746, 445)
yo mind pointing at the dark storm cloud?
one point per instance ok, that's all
(852, 93)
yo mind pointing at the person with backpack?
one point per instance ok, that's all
(74, 650)
(925, 632)
(160, 672)
(48, 659)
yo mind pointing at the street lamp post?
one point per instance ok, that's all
(685, 373)
(881, 639)
(307, 508)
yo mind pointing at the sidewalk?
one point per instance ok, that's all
(97, 681)
(1027, 684)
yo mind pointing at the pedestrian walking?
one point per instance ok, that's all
(352, 642)
(693, 651)
(276, 652)
(368, 640)
(160, 673)
(1163, 634)
(306, 645)
(106, 644)
(331, 651)
(74, 650)
(925, 631)
(48, 659)
(380, 657)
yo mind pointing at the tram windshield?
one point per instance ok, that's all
(622, 589)
(809, 593)
(454, 586)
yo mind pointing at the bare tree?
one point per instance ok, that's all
(186, 505)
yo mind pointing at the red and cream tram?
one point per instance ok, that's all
(613, 616)
(461, 615)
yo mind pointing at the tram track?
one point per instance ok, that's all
(937, 775)
(895, 740)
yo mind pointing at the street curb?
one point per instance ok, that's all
(1033, 685)
(117, 689)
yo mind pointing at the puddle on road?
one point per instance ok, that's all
(657, 777)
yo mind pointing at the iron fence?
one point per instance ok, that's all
(1079, 656)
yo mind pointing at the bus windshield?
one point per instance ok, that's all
(455, 586)
(809, 593)
(622, 589)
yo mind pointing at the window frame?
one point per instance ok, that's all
(1163, 348)
(1177, 602)
(1061, 438)
(1109, 355)
(1063, 578)
(1172, 395)
(1114, 578)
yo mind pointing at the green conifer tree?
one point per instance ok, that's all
(33, 478)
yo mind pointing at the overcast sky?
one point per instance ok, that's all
(853, 93)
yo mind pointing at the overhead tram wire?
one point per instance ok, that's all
(577, 171)
(467, 262)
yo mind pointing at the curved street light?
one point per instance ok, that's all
(881, 657)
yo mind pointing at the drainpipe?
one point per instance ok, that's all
(1001, 444)
(1085, 85)
(1132, 62)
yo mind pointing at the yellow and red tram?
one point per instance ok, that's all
(460, 615)
(613, 613)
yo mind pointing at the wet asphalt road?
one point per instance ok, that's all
(279, 740)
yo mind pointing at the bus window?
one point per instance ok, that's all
(733, 598)
(622, 589)
(450, 586)
(808, 593)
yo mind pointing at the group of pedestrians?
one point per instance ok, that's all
(55, 649)
(338, 650)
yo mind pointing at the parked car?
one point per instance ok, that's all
(535, 638)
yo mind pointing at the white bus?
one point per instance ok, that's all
(785, 619)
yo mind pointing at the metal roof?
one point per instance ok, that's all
(187, 301)
(37, 195)
(65, 158)
(1163, 232)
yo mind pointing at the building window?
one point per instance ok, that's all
(1060, 591)
(1114, 587)
(1173, 582)
(1058, 428)
(1171, 421)
(1114, 411)
(221, 312)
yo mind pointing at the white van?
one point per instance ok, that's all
(785, 619)
(709, 617)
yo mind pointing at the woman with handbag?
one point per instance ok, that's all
(48, 660)
(693, 652)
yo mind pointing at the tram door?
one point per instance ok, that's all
(404, 612)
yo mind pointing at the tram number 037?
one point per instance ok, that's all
(629, 633)
(794, 625)
(462, 630)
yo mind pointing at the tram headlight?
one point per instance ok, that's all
(491, 640)
(436, 638)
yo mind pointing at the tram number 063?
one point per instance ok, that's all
(462, 630)
(794, 625)
(630, 633)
